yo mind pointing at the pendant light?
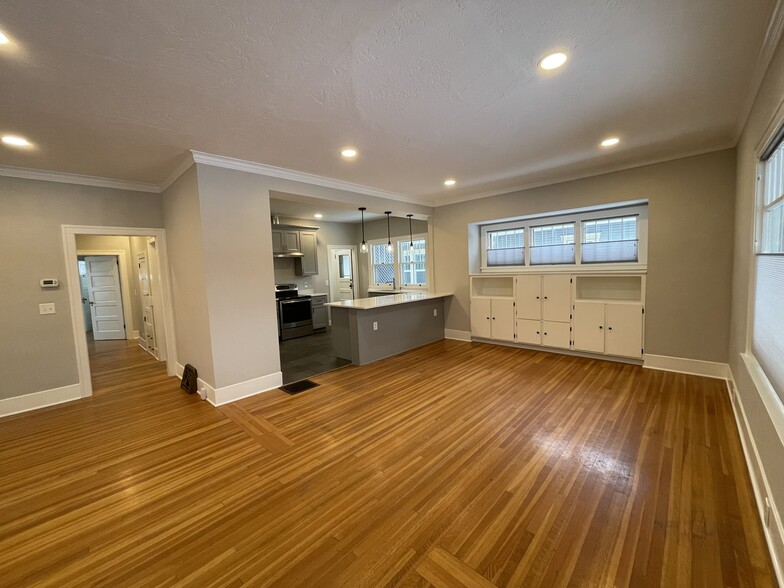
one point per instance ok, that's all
(389, 234)
(363, 247)
(410, 231)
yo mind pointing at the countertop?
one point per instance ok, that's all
(306, 292)
(391, 300)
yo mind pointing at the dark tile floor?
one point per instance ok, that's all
(307, 356)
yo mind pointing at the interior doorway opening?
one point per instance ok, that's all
(120, 304)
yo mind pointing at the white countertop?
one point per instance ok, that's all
(391, 300)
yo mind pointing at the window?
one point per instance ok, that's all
(600, 235)
(412, 262)
(505, 247)
(404, 266)
(552, 244)
(610, 240)
(767, 330)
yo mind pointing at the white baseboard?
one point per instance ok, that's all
(774, 532)
(234, 392)
(134, 335)
(695, 367)
(247, 388)
(17, 404)
(457, 335)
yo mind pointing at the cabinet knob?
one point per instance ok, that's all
(600, 327)
(545, 297)
(609, 328)
(493, 318)
(537, 298)
(545, 333)
(537, 332)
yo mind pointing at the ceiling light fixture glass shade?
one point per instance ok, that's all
(15, 141)
(610, 142)
(410, 231)
(349, 153)
(450, 182)
(389, 233)
(363, 247)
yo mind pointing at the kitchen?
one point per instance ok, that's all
(319, 258)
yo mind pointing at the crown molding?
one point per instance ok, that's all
(581, 176)
(68, 178)
(764, 56)
(297, 176)
(185, 163)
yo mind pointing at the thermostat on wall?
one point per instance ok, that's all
(49, 283)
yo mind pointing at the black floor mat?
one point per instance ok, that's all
(299, 386)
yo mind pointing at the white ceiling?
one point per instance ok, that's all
(425, 89)
(303, 207)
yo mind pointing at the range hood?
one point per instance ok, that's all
(277, 225)
(289, 254)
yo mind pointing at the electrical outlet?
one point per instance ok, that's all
(767, 511)
(375, 326)
(46, 308)
(435, 312)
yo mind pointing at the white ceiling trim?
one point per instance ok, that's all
(761, 64)
(68, 178)
(561, 180)
(185, 163)
(297, 176)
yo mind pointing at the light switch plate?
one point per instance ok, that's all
(375, 326)
(46, 308)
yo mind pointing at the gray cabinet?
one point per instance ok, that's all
(285, 241)
(307, 265)
(319, 311)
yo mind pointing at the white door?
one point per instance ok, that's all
(529, 291)
(588, 333)
(556, 334)
(624, 330)
(148, 318)
(529, 331)
(342, 264)
(156, 306)
(503, 322)
(103, 285)
(556, 298)
(481, 318)
(88, 318)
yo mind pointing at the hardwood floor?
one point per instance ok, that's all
(455, 464)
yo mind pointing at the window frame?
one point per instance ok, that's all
(396, 264)
(595, 213)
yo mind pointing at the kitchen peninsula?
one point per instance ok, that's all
(368, 329)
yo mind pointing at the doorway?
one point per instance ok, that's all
(342, 271)
(120, 303)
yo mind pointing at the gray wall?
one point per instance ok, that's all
(131, 277)
(37, 352)
(768, 441)
(690, 222)
(235, 216)
(329, 233)
(182, 215)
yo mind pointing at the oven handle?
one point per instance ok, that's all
(294, 301)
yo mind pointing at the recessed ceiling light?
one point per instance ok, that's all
(3, 39)
(318, 215)
(450, 182)
(610, 142)
(16, 141)
(349, 153)
(553, 61)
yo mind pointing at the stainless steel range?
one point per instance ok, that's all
(295, 318)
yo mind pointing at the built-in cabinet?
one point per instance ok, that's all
(319, 312)
(307, 265)
(285, 241)
(595, 313)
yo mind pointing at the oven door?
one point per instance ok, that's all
(295, 313)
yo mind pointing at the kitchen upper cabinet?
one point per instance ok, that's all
(307, 265)
(285, 241)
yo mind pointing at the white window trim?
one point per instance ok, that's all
(555, 219)
(396, 264)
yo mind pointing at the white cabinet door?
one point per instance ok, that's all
(503, 319)
(555, 334)
(623, 326)
(529, 332)
(529, 292)
(481, 318)
(588, 333)
(556, 298)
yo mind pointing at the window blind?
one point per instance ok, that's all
(768, 332)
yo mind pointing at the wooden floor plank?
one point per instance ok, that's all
(455, 464)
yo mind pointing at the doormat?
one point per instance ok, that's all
(299, 386)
